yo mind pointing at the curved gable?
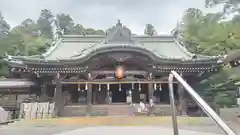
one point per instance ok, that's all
(72, 48)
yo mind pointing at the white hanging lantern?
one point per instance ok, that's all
(132, 86)
(160, 87)
(120, 89)
(155, 86)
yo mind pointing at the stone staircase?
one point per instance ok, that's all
(74, 111)
(96, 110)
(162, 110)
(111, 110)
(119, 110)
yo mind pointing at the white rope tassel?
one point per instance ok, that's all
(120, 89)
(86, 86)
(160, 87)
(78, 87)
(155, 86)
(99, 87)
(108, 87)
(139, 87)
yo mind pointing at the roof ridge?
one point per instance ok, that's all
(183, 48)
(83, 50)
(52, 48)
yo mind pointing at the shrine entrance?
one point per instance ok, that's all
(118, 93)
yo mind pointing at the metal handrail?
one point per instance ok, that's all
(207, 109)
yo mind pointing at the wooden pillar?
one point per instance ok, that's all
(150, 95)
(182, 99)
(89, 97)
(44, 96)
(57, 98)
(108, 94)
(150, 91)
(150, 88)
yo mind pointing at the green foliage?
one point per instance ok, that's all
(4, 27)
(229, 6)
(206, 34)
(150, 30)
(210, 34)
(32, 38)
(226, 99)
(66, 23)
(44, 23)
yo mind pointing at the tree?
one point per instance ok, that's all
(66, 23)
(229, 6)
(91, 31)
(150, 30)
(208, 34)
(44, 23)
(28, 26)
(77, 30)
(99, 32)
(4, 27)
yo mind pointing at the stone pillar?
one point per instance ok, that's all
(182, 100)
(57, 98)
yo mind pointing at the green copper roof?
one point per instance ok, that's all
(75, 50)
(74, 47)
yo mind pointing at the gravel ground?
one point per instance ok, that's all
(152, 130)
(106, 130)
(35, 130)
(24, 128)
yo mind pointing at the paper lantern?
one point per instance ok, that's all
(119, 72)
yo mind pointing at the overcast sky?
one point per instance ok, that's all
(102, 14)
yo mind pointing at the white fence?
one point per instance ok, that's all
(4, 115)
(36, 110)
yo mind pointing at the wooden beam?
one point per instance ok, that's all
(114, 82)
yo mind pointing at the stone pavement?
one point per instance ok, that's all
(128, 130)
(106, 130)
(48, 128)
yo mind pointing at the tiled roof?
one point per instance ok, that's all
(71, 47)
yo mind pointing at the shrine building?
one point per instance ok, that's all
(118, 68)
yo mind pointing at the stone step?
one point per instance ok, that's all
(74, 111)
(108, 110)
(119, 110)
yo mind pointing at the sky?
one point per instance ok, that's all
(102, 14)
